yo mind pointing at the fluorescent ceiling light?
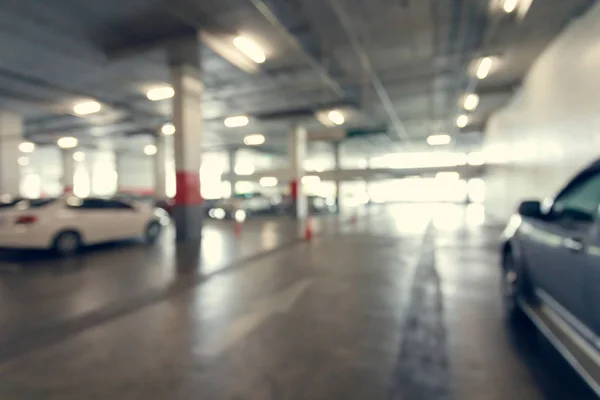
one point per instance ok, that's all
(237, 121)
(475, 158)
(26, 147)
(462, 121)
(448, 175)
(160, 93)
(471, 101)
(484, 67)
(79, 156)
(438, 140)
(336, 117)
(250, 49)
(23, 161)
(150, 150)
(67, 142)
(168, 129)
(86, 108)
(268, 181)
(509, 5)
(254, 140)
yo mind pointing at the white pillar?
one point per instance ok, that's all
(337, 147)
(232, 174)
(187, 118)
(297, 154)
(68, 170)
(119, 164)
(11, 132)
(160, 166)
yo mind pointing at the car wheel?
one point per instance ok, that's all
(67, 243)
(515, 288)
(152, 232)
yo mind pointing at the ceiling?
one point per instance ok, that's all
(403, 65)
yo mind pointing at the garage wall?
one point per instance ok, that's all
(551, 128)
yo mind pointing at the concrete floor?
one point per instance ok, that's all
(402, 304)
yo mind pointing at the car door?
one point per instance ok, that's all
(89, 217)
(127, 221)
(555, 246)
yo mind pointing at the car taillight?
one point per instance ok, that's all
(26, 220)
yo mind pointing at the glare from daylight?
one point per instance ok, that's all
(150, 150)
(268, 181)
(67, 142)
(26, 147)
(471, 102)
(439, 139)
(160, 93)
(462, 121)
(336, 117)
(254, 140)
(476, 158)
(87, 108)
(484, 67)
(310, 179)
(450, 175)
(236, 121)
(250, 48)
(168, 129)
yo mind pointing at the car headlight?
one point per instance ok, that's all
(240, 215)
(217, 213)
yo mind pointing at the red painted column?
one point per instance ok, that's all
(187, 143)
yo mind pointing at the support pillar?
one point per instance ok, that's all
(119, 166)
(297, 154)
(187, 118)
(232, 174)
(68, 170)
(11, 131)
(337, 147)
(160, 168)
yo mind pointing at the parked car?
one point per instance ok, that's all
(551, 270)
(65, 224)
(245, 205)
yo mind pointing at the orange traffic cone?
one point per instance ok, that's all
(308, 229)
(237, 228)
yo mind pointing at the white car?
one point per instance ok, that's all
(65, 224)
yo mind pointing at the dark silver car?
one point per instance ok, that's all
(551, 270)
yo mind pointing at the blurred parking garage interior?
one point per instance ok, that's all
(338, 174)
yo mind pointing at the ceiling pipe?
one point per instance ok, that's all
(368, 67)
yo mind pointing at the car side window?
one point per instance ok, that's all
(86, 204)
(117, 205)
(579, 203)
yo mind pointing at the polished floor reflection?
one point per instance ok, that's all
(390, 302)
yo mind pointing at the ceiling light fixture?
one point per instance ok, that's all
(168, 129)
(438, 140)
(23, 161)
(160, 93)
(268, 181)
(476, 158)
(86, 108)
(311, 180)
(26, 147)
(67, 142)
(254, 140)
(336, 117)
(462, 121)
(79, 156)
(510, 6)
(250, 49)
(237, 121)
(471, 102)
(150, 150)
(484, 67)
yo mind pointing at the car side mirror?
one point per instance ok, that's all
(531, 209)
